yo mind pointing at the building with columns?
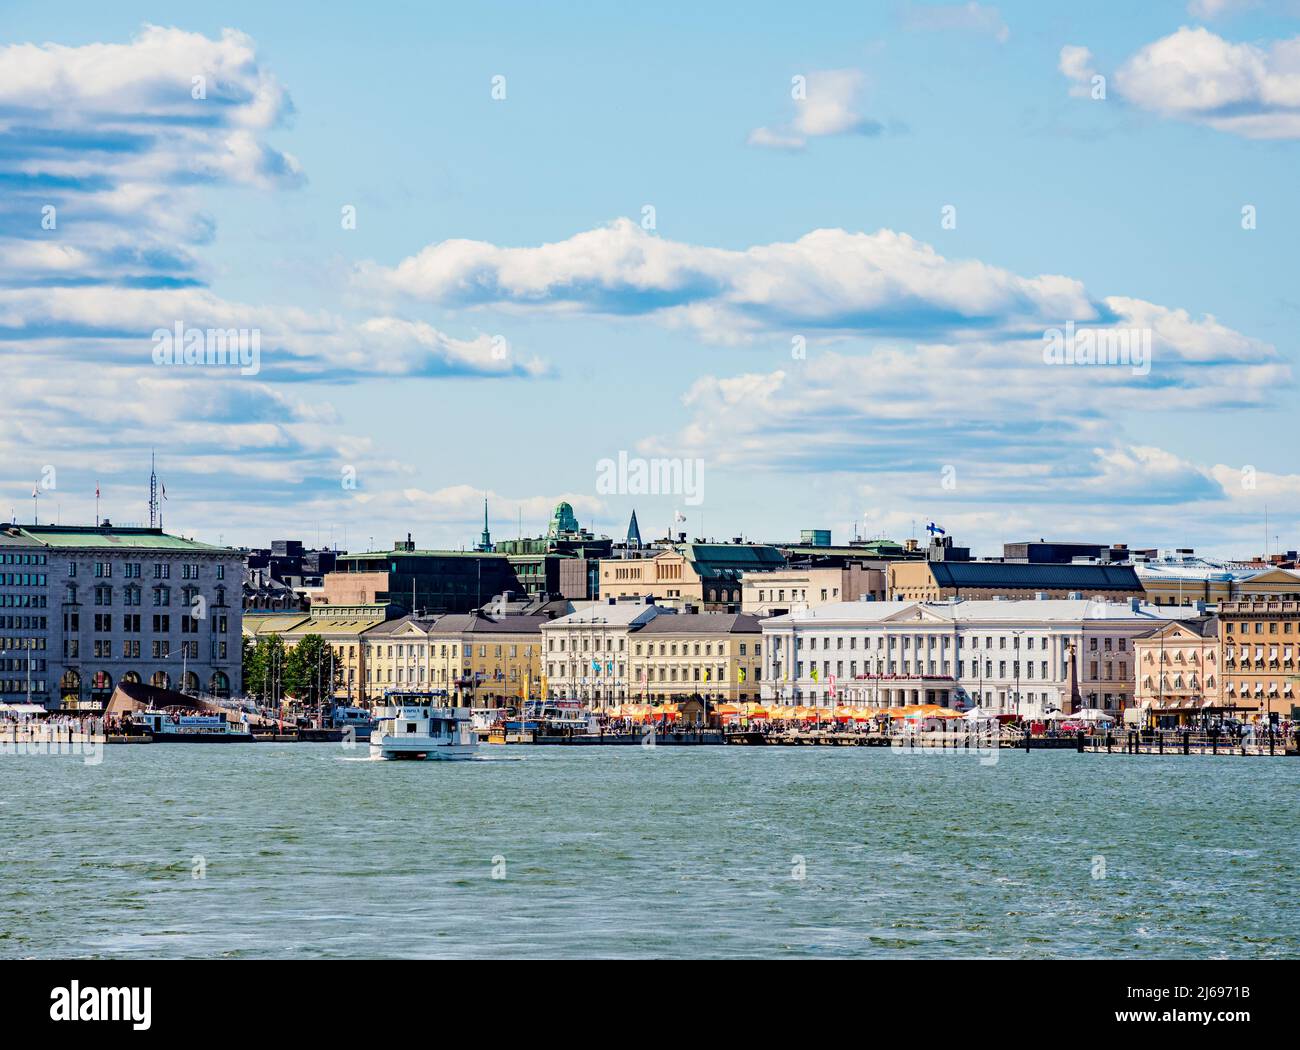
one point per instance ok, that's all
(1025, 657)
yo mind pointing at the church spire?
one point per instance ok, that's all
(633, 533)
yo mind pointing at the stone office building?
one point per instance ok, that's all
(87, 607)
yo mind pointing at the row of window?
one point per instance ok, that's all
(974, 668)
(20, 685)
(19, 663)
(23, 601)
(22, 559)
(22, 579)
(22, 623)
(161, 570)
(1230, 627)
(159, 649)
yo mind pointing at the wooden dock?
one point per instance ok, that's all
(1177, 742)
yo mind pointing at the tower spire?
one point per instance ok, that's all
(485, 541)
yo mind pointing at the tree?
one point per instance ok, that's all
(311, 672)
(265, 668)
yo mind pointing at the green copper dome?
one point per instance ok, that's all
(563, 520)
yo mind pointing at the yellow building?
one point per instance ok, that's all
(1260, 641)
(1186, 581)
(474, 659)
(707, 575)
(1177, 666)
(716, 656)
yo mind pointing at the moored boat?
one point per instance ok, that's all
(177, 727)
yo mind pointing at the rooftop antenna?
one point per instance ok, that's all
(154, 511)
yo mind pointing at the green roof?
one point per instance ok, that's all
(66, 536)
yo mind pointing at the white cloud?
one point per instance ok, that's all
(1197, 76)
(828, 281)
(826, 103)
(107, 152)
(1075, 63)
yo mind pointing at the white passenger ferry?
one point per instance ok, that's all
(178, 727)
(411, 725)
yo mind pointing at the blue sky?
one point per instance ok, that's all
(923, 342)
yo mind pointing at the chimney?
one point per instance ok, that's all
(1134, 604)
(1199, 606)
(611, 600)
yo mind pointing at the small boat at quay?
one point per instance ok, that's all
(176, 727)
(414, 727)
(357, 719)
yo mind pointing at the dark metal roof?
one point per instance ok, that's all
(703, 623)
(1036, 576)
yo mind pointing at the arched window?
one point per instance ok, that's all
(160, 680)
(219, 684)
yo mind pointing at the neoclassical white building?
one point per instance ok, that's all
(1025, 657)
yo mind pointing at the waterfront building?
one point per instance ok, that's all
(1025, 657)
(84, 607)
(792, 589)
(1178, 669)
(707, 575)
(933, 581)
(586, 653)
(474, 659)
(1260, 641)
(711, 656)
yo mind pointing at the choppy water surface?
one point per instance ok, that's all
(307, 850)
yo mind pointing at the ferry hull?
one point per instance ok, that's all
(201, 738)
(410, 750)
